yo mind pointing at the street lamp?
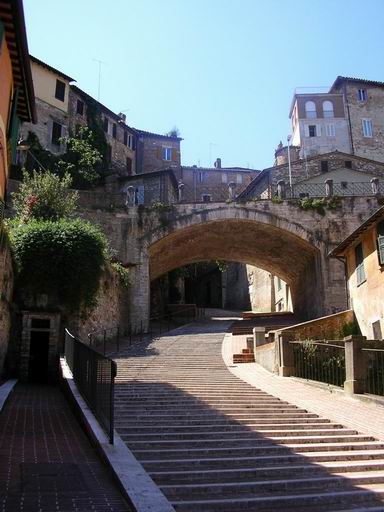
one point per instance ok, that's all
(289, 162)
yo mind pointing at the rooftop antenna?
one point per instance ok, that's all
(100, 62)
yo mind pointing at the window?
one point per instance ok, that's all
(56, 133)
(224, 177)
(310, 110)
(362, 94)
(125, 138)
(359, 258)
(278, 283)
(348, 164)
(330, 130)
(60, 90)
(201, 177)
(167, 154)
(105, 125)
(129, 165)
(206, 198)
(312, 130)
(380, 241)
(376, 329)
(328, 109)
(324, 166)
(114, 130)
(239, 179)
(80, 108)
(367, 127)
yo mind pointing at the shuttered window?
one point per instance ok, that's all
(359, 257)
(380, 242)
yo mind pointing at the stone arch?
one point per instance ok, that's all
(246, 235)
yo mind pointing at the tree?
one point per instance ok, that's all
(44, 196)
(81, 159)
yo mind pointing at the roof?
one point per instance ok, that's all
(340, 79)
(339, 250)
(225, 169)
(12, 17)
(103, 107)
(152, 174)
(249, 188)
(144, 133)
(50, 68)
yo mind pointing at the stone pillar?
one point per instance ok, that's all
(140, 295)
(181, 191)
(354, 364)
(258, 337)
(281, 189)
(328, 188)
(286, 364)
(130, 198)
(231, 190)
(375, 184)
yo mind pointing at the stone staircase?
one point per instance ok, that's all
(214, 443)
(246, 356)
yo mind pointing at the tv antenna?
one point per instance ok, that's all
(100, 63)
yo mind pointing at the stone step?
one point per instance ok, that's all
(254, 449)
(287, 503)
(241, 441)
(262, 473)
(290, 430)
(261, 460)
(276, 487)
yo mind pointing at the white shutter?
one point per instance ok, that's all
(306, 130)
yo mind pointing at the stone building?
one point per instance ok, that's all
(17, 104)
(348, 118)
(52, 99)
(212, 184)
(155, 152)
(121, 138)
(363, 253)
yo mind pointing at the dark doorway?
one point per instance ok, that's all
(38, 357)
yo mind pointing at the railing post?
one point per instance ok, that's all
(90, 336)
(354, 365)
(141, 330)
(231, 190)
(130, 198)
(375, 184)
(181, 191)
(328, 188)
(118, 339)
(104, 339)
(258, 337)
(286, 362)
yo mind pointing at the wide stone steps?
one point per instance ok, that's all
(216, 444)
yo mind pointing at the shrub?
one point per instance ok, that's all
(64, 258)
(44, 196)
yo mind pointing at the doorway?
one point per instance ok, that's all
(38, 357)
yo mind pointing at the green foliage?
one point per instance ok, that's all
(349, 328)
(277, 200)
(174, 132)
(164, 211)
(81, 159)
(45, 196)
(63, 259)
(221, 265)
(95, 124)
(309, 203)
(123, 274)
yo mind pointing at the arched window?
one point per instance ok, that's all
(310, 109)
(327, 108)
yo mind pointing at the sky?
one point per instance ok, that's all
(222, 71)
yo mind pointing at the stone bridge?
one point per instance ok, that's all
(282, 238)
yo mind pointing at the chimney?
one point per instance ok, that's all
(122, 117)
(218, 163)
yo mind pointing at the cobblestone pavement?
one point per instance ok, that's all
(46, 462)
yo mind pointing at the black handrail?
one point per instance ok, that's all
(94, 375)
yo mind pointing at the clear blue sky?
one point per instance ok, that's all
(222, 71)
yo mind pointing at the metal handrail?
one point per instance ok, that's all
(317, 343)
(94, 375)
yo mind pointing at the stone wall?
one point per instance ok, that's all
(6, 291)
(261, 290)
(150, 155)
(327, 328)
(235, 287)
(112, 310)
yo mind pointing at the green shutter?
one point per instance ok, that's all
(13, 128)
(380, 246)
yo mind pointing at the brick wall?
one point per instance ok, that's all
(151, 157)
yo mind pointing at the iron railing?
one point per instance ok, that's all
(94, 375)
(101, 339)
(374, 373)
(318, 190)
(320, 361)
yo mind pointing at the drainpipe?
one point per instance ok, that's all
(349, 117)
